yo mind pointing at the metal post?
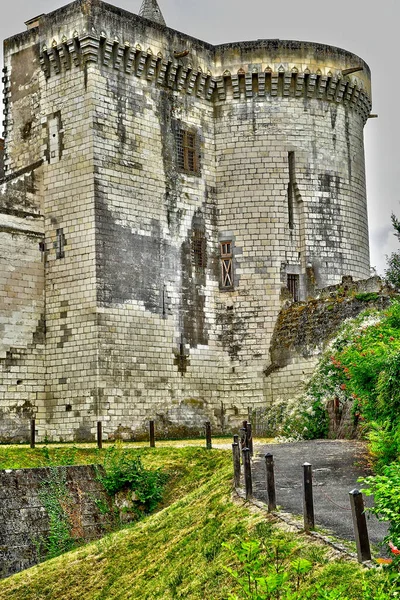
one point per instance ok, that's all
(208, 435)
(269, 461)
(250, 438)
(236, 463)
(99, 435)
(309, 522)
(152, 435)
(360, 526)
(247, 473)
(33, 432)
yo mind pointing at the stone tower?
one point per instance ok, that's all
(150, 10)
(162, 198)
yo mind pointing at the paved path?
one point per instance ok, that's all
(336, 467)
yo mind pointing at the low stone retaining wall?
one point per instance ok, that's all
(24, 520)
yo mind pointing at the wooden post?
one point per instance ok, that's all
(250, 438)
(247, 473)
(246, 445)
(33, 433)
(360, 526)
(208, 435)
(309, 522)
(152, 435)
(269, 461)
(99, 435)
(236, 439)
(236, 463)
(242, 438)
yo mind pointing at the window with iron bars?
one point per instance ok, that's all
(293, 285)
(226, 264)
(199, 249)
(187, 151)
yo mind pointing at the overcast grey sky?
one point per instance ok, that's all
(369, 29)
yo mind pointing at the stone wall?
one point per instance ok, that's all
(24, 521)
(303, 331)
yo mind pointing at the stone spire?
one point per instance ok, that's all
(150, 10)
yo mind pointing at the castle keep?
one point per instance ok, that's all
(162, 199)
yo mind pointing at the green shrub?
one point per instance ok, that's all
(124, 471)
(386, 491)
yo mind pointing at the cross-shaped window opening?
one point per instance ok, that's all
(226, 265)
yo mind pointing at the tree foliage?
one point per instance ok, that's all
(393, 271)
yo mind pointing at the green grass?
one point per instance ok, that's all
(178, 552)
(20, 456)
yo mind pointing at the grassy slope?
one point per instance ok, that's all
(177, 552)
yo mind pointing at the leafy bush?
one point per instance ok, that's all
(124, 471)
(361, 368)
(302, 417)
(386, 491)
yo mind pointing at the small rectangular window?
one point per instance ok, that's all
(187, 151)
(226, 265)
(293, 285)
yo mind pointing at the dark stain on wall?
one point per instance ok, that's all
(130, 266)
(193, 264)
(233, 331)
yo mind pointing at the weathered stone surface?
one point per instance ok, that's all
(24, 520)
(132, 152)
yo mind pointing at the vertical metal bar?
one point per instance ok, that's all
(250, 438)
(360, 526)
(152, 435)
(309, 522)
(247, 473)
(271, 490)
(99, 435)
(33, 433)
(236, 464)
(208, 435)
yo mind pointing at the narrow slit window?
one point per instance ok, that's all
(291, 189)
(226, 265)
(60, 244)
(187, 152)
(293, 285)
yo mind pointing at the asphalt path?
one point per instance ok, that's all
(336, 467)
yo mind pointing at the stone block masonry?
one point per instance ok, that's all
(170, 196)
(25, 522)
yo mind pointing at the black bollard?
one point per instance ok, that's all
(360, 526)
(308, 501)
(269, 462)
(152, 435)
(247, 473)
(208, 435)
(250, 438)
(33, 433)
(236, 464)
(99, 435)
